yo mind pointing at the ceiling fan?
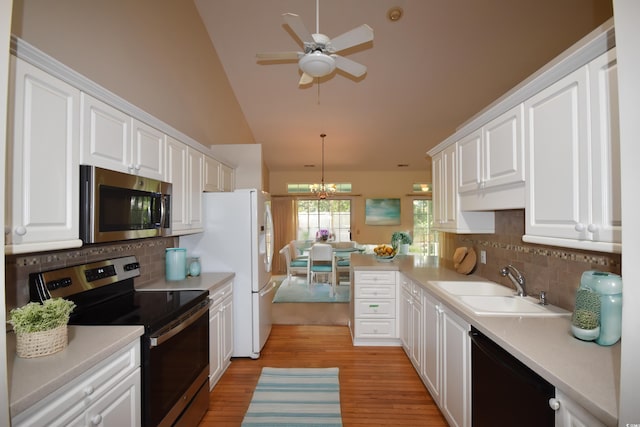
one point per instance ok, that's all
(319, 57)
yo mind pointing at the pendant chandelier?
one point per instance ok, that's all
(322, 190)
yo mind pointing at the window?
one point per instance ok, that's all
(425, 239)
(333, 214)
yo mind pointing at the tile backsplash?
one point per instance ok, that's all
(149, 252)
(555, 270)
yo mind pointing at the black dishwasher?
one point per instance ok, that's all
(505, 392)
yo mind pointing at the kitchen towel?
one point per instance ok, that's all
(295, 396)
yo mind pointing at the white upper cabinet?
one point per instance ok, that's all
(195, 187)
(573, 173)
(211, 174)
(184, 170)
(217, 176)
(447, 215)
(106, 135)
(226, 177)
(491, 164)
(113, 140)
(42, 173)
(148, 151)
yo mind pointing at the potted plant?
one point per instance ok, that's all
(41, 329)
(323, 235)
(401, 240)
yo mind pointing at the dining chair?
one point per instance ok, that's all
(322, 261)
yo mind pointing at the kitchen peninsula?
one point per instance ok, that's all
(583, 371)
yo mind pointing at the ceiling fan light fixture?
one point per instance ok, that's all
(317, 64)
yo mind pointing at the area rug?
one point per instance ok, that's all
(297, 290)
(295, 397)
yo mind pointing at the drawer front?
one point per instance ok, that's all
(373, 277)
(375, 328)
(221, 293)
(375, 308)
(375, 291)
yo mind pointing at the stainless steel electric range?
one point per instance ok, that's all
(174, 347)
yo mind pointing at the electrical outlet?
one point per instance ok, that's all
(483, 257)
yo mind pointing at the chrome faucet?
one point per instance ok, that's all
(516, 277)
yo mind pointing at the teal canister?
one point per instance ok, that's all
(194, 267)
(609, 287)
(176, 263)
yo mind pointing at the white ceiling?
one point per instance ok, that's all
(429, 72)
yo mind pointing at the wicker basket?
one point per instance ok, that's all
(36, 344)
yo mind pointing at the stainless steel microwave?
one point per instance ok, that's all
(119, 206)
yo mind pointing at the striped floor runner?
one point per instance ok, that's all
(295, 397)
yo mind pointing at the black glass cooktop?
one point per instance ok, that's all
(151, 309)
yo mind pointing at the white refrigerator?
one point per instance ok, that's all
(238, 238)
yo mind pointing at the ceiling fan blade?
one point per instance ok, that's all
(278, 56)
(358, 35)
(298, 27)
(305, 79)
(348, 66)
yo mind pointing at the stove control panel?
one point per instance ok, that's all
(98, 273)
(75, 280)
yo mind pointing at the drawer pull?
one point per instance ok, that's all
(88, 390)
(374, 305)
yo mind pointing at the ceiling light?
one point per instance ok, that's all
(322, 190)
(317, 64)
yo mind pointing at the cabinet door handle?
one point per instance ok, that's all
(592, 228)
(88, 390)
(21, 230)
(554, 403)
(579, 227)
(96, 419)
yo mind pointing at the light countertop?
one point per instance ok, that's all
(586, 372)
(31, 380)
(204, 282)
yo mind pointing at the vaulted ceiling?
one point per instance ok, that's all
(428, 72)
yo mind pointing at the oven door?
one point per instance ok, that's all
(176, 368)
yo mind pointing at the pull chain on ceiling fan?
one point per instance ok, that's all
(319, 58)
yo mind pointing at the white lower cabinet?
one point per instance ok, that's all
(446, 370)
(375, 301)
(109, 394)
(411, 320)
(220, 332)
(570, 414)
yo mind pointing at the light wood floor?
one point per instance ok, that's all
(378, 385)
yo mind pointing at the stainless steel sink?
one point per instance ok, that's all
(474, 288)
(496, 305)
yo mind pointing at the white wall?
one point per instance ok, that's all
(5, 31)
(627, 16)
